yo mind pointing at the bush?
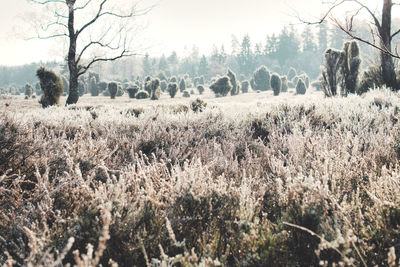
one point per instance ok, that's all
(172, 89)
(102, 86)
(173, 79)
(120, 91)
(198, 105)
(201, 80)
(350, 66)
(182, 85)
(371, 78)
(163, 85)
(301, 87)
(93, 87)
(332, 61)
(142, 95)
(261, 79)
(28, 90)
(222, 86)
(234, 82)
(285, 85)
(113, 89)
(132, 91)
(276, 84)
(155, 89)
(200, 88)
(51, 85)
(186, 93)
(245, 86)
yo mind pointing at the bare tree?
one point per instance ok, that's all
(97, 31)
(381, 30)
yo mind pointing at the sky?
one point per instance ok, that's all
(172, 25)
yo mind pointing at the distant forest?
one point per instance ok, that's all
(300, 49)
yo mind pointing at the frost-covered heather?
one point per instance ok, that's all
(253, 180)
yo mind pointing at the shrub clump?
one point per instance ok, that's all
(163, 85)
(172, 89)
(245, 86)
(350, 67)
(291, 74)
(372, 77)
(261, 79)
(301, 87)
(51, 85)
(276, 84)
(284, 84)
(222, 86)
(186, 93)
(332, 61)
(93, 87)
(198, 105)
(200, 88)
(132, 91)
(182, 85)
(113, 89)
(155, 89)
(234, 82)
(142, 94)
(28, 90)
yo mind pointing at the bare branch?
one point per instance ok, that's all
(395, 33)
(82, 7)
(47, 37)
(46, 2)
(380, 47)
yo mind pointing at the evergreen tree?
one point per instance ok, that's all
(203, 66)
(245, 58)
(163, 64)
(147, 68)
(322, 38)
(288, 46)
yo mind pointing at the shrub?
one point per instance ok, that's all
(200, 88)
(182, 85)
(51, 85)
(332, 61)
(261, 79)
(276, 84)
(372, 77)
(198, 105)
(93, 88)
(162, 76)
(173, 79)
(81, 88)
(113, 89)
(201, 80)
(301, 87)
(291, 74)
(120, 91)
(234, 82)
(163, 85)
(142, 95)
(222, 86)
(350, 66)
(245, 86)
(132, 91)
(28, 90)
(186, 93)
(102, 86)
(172, 89)
(305, 79)
(38, 90)
(285, 85)
(155, 89)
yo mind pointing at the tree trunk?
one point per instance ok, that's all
(388, 70)
(73, 68)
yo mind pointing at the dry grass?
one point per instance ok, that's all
(253, 180)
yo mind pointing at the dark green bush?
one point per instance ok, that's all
(350, 67)
(102, 86)
(200, 88)
(93, 87)
(261, 79)
(222, 86)
(371, 78)
(51, 85)
(28, 90)
(155, 89)
(132, 91)
(301, 87)
(172, 89)
(245, 86)
(163, 85)
(276, 84)
(113, 89)
(182, 85)
(332, 62)
(81, 88)
(234, 82)
(142, 95)
(186, 93)
(285, 85)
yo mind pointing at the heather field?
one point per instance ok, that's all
(245, 180)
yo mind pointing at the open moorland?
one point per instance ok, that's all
(246, 180)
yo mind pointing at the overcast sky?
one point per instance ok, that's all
(171, 25)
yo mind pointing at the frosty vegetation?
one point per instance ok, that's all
(264, 181)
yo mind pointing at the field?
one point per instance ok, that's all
(249, 180)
